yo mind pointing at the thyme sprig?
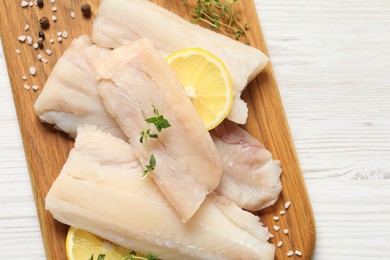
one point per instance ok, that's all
(100, 257)
(133, 256)
(160, 123)
(220, 15)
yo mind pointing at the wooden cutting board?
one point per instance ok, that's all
(47, 149)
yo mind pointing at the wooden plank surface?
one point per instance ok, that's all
(46, 149)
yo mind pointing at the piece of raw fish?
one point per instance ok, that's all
(135, 79)
(121, 21)
(100, 189)
(69, 97)
(251, 178)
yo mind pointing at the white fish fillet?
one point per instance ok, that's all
(134, 78)
(120, 21)
(251, 178)
(69, 97)
(100, 190)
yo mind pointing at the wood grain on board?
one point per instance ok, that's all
(47, 149)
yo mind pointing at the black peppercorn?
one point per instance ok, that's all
(86, 10)
(40, 44)
(41, 35)
(40, 3)
(44, 22)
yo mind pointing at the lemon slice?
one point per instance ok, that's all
(207, 83)
(80, 245)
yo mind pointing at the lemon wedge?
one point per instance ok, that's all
(207, 83)
(81, 245)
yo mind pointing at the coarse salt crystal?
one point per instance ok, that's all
(59, 33)
(24, 4)
(287, 204)
(72, 14)
(280, 243)
(29, 40)
(26, 27)
(59, 39)
(49, 52)
(276, 218)
(35, 45)
(54, 18)
(35, 87)
(51, 40)
(282, 212)
(290, 253)
(270, 235)
(32, 71)
(22, 38)
(44, 60)
(52, 1)
(276, 228)
(18, 52)
(31, 3)
(54, 8)
(285, 231)
(39, 56)
(24, 77)
(297, 252)
(65, 34)
(26, 87)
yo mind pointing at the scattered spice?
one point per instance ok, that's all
(26, 27)
(86, 10)
(280, 243)
(282, 212)
(276, 228)
(287, 204)
(276, 218)
(40, 44)
(29, 40)
(24, 4)
(298, 253)
(72, 14)
(44, 22)
(40, 3)
(22, 38)
(41, 35)
(285, 231)
(54, 18)
(290, 253)
(32, 71)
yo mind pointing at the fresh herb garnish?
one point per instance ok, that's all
(100, 257)
(220, 15)
(160, 123)
(133, 256)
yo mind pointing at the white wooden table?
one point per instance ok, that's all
(332, 62)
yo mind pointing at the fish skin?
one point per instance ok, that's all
(100, 190)
(251, 178)
(134, 78)
(119, 22)
(69, 97)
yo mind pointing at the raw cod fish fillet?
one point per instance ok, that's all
(134, 79)
(121, 21)
(100, 190)
(251, 178)
(69, 97)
